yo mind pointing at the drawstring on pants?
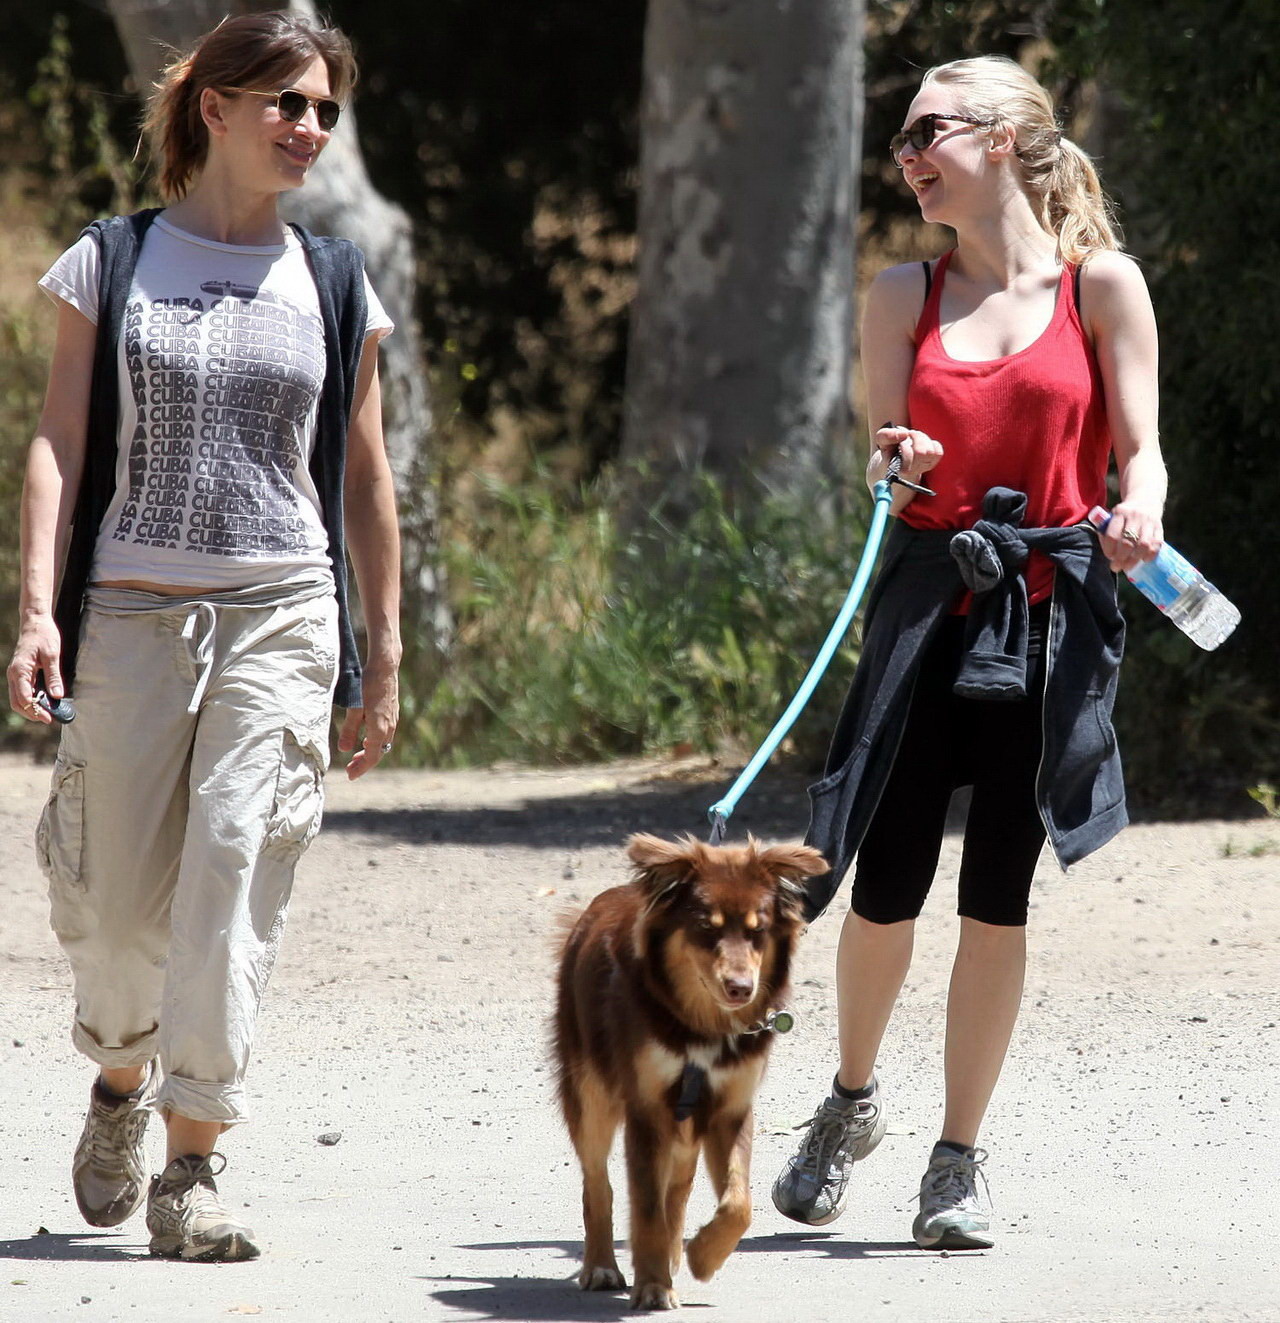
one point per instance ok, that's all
(202, 651)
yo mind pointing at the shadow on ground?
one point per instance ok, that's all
(531, 1299)
(829, 1244)
(546, 1299)
(536, 1299)
(86, 1246)
(775, 808)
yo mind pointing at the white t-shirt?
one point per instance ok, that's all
(222, 363)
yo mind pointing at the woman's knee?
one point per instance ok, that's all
(994, 936)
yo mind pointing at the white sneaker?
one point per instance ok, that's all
(813, 1186)
(950, 1216)
(187, 1219)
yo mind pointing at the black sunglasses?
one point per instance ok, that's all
(922, 133)
(293, 104)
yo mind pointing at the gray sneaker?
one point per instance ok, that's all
(950, 1216)
(813, 1186)
(187, 1219)
(108, 1172)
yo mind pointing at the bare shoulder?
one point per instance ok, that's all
(1114, 299)
(1111, 274)
(896, 295)
(900, 282)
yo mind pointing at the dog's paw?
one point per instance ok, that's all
(653, 1295)
(602, 1279)
(706, 1252)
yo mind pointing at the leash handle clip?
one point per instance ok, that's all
(893, 474)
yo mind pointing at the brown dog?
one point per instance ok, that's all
(664, 987)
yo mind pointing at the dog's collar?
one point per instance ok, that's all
(776, 1022)
(693, 1078)
(693, 1081)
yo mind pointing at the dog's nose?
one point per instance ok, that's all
(738, 989)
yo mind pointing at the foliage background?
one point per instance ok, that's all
(509, 134)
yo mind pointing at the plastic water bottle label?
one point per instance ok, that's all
(1166, 578)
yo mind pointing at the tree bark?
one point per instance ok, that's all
(339, 198)
(742, 328)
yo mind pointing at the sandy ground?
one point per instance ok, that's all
(1135, 1139)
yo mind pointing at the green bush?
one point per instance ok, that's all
(556, 660)
(26, 341)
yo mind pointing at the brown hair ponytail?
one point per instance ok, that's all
(261, 51)
(1057, 175)
(175, 129)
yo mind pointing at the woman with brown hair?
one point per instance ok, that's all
(1013, 368)
(209, 451)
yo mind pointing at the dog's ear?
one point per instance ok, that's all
(661, 866)
(789, 865)
(791, 862)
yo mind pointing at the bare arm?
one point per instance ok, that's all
(55, 463)
(1119, 316)
(373, 536)
(890, 312)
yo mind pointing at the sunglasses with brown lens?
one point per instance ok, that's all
(292, 105)
(922, 133)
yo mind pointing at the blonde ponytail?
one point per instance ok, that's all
(1057, 176)
(1075, 207)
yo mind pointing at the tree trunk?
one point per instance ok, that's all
(339, 199)
(742, 328)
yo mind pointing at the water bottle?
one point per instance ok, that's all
(1203, 614)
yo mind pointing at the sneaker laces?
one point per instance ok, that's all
(115, 1129)
(954, 1182)
(828, 1130)
(193, 1171)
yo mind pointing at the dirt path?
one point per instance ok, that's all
(1135, 1140)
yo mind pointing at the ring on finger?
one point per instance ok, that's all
(1130, 536)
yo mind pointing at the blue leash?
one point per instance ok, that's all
(720, 812)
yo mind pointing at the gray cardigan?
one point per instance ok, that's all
(1080, 787)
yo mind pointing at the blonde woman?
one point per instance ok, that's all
(209, 451)
(1011, 370)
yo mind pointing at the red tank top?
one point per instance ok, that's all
(1035, 421)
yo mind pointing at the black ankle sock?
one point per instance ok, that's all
(950, 1146)
(112, 1096)
(853, 1095)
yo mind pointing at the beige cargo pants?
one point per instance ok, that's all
(183, 795)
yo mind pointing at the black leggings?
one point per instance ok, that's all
(948, 742)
